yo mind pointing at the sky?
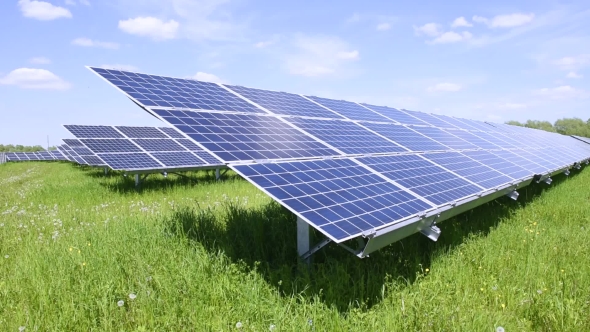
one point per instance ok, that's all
(493, 61)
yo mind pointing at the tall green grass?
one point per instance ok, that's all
(203, 255)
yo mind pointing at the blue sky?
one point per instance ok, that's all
(495, 61)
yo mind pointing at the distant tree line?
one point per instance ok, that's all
(23, 148)
(565, 126)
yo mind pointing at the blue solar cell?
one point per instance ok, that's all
(396, 115)
(284, 103)
(431, 120)
(422, 177)
(469, 169)
(184, 159)
(190, 145)
(159, 145)
(159, 91)
(472, 138)
(32, 156)
(93, 131)
(12, 156)
(339, 197)
(140, 132)
(504, 166)
(130, 161)
(406, 137)
(494, 138)
(171, 132)
(479, 125)
(235, 137)
(350, 110)
(346, 136)
(454, 121)
(443, 137)
(207, 157)
(58, 155)
(93, 160)
(583, 139)
(110, 145)
(82, 151)
(73, 142)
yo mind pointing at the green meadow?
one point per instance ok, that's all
(84, 251)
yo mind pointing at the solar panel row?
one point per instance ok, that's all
(140, 148)
(349, 168)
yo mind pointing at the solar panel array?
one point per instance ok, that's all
(348, 168)
(139, 148)
(35, 156)
(583, 139)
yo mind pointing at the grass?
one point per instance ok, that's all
(202, 255)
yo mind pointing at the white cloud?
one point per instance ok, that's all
(573, 62)
(200, 76)
(120, 67)
(354, 18)
(452, 37)
(150, 27)
(86, 42)
(506, 20)
(32, 78)
(561, 92)
(319, 56)
(444, 87)
(573, 74)
(40, 61)
(429, 29)
(461, 22)
(383, 26)
(266, 43)
(42, 10)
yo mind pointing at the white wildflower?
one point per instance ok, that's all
(132, 296)
(272, 327)
(499, 329)
(121, 303)
(239, 325)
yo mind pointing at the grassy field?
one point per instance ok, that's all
(80, 251)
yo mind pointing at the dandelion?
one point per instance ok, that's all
(21, 328)
(499, 329)
(427, 270)
(481, 289)
(480, 267)
(495, 288)
(132, 296)
(272, 327)
(239, 325)
(503, 306)
(310, 322)
(562, 270)
(121, 303)
(539, 291)
(78, 251)
(84, 264)
(71, 248)
(89, 244)
(6, 256)
(148, 279)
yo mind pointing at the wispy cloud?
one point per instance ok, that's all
(444, 87)
(87, 42)
(506, 20)
(562, 92)
(383, 26)
(33, 78)
(206, 77)
(573, 74)
(452, 37)
(319, 55)
(42, 10)
(461, 22)
(150, 27)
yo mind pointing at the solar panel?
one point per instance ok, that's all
(346, 136)
(454, 121)
(171, 132)
(339, 197)
(73, 142)
(472, 138)
(405, 137)
(284, 103)
(171, 159)
(140, 132)
(396, 115)
(159, 145)
(130, 161)
(422, 177)
(469, 169)
(494, 139)
(93, 160)
(583, 139)
(440, 136)
(12, 156)
(152, 90)
(238, 137)
(528, 164)
(350, 110)
(93, 132)
(110, 145)
(431, 120)
(58, 155)
(499, 164)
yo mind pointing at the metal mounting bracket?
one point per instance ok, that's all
(513, 195)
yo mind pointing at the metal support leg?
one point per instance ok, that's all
(217, 175)
(513, 194)
(106, 171)
(548, 181)
(303, 240)
(136, 180)
(432, 232)
(566, 172)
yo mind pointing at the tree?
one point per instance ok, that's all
(514, 123)
(572, 126)
(543, 125)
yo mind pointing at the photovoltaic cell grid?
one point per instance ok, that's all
(284, 103)
(422, 177)
(144, 148)
(347, 137)
(583, 139)
(349, 110)
(396, 115)
(338, 197)
(406, 137)
(159, 91)
(445, 138)
(242, 137)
